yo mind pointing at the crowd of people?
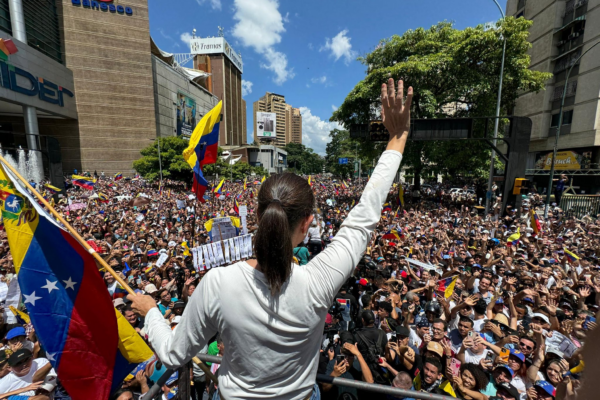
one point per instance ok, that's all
(513, 327)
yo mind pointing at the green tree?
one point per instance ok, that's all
(303, 160)
(454, 73)
(173, 165)
(342, 146)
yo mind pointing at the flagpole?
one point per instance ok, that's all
(72, 231)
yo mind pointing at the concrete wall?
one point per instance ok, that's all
(109, 54)
(167, 84)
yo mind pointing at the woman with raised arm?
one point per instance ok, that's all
(269, 311)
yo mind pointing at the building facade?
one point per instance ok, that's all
(293, 125)
(289, 119)
(225, 82)
(561, 32)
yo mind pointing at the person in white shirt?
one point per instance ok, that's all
(26, 371)
(270, 312)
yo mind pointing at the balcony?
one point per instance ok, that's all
(569, 96)
(566, 60)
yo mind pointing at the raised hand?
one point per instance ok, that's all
(395, 113)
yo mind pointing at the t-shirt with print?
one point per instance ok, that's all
(12, 382)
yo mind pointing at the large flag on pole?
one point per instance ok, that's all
(67, 300)
(202, 149)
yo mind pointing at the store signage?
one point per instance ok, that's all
(47, 91)
(565, 160)
(216, 45)
(103, 5)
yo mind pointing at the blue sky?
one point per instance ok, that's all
(305, 50)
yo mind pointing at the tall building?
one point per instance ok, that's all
(293, 125)
(289, 119)
(561, 32)
(216, 57)
(275, 103)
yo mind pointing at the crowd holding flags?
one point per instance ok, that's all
(236, 207)
(447, 286)
(571, 256)
(535, 222)
(102, 197)
(90, 345)
(118, 176)
(51, 189)
(219, 189)
(203, 147)
(83, 181)
(387, 207)
(513, 239)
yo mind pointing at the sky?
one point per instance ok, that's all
(305, 50)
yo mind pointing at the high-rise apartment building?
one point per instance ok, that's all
(289, 119)
(293, 125)
(561, 32)
(216, 57)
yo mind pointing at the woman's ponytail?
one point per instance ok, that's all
(283, 202)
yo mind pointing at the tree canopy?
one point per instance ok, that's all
(303, 160)
(454, 73)
(176, 168)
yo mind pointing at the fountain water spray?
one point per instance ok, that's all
(22, 164)
(34, 166)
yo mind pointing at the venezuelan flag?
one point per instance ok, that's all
(535, 222)
(514, 238)
(119, 292)
(152, 253)
(186, 249)
(236, 207)
(447, 286)
(51, 189)
(392, 235)
(102, 197)
(571, 256)
(118, 176)
(22, 318)
(387, 207)
(83, 181)
(245, 182)
(219, 188)
(67, 301)
(204, 141)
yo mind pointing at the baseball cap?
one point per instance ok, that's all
(179, 304)
(501, 319)
(554, 350)
(15, 332)
(423, 323)
(529, 300)
(118, 302)
(363, 282)
(176, 320)
(3, 356)
(517, 354)
(18, 356)
(541, 316)
(172, 379)
(507, 368)
(546, 387)
(150, 288)
(509, 389)
(436, 348)
(401, 330)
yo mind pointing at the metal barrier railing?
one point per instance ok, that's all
(580, 205)
(371, 387)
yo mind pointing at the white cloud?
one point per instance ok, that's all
(333, 108)
(186, 38)
(163, 34)
(322, 80)
(340, 47)
(215, 4)
(246, 87)
(315, 131)
(286, 19)
(259, 26)
(277, 62)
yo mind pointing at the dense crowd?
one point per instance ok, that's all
(444, 300)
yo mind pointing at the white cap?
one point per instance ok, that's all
(150, 288)
(172, 244)
(176, 320)
(542, 317)
(118, 302)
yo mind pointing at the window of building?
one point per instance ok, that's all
(567, 118)
(5, 17)
(41, 26)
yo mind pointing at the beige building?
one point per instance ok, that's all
(561, 31)
(293, 125)
(289, 119)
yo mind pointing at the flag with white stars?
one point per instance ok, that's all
(67, 300)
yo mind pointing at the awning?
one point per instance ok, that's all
(163, 55)
(582, 18)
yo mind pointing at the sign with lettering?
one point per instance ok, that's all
(216, 45)
(565, 160)
(103, 5)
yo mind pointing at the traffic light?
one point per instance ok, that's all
(520, 185)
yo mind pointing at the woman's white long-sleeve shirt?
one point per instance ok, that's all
(272, 343)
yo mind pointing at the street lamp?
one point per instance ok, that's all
(488, 196)
(159, 159)
(560, 120)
